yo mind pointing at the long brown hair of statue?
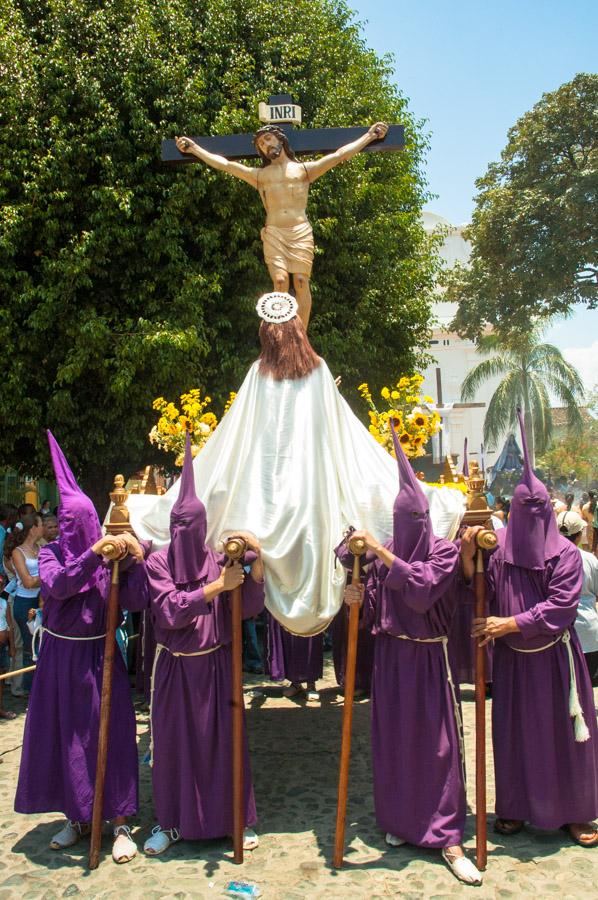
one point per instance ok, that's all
(286, 351)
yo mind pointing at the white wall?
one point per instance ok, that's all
(455, 357)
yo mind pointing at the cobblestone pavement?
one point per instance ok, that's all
(294, 756)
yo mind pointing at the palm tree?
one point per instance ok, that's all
(531, 372)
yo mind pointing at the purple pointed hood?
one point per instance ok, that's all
(188, 558)
(79, 525)
(465, 468)
(413, 537)
(532, 535)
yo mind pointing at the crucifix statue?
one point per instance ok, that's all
(283, 184)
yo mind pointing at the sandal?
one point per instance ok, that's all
(250, 839)
(508, 827)
(161, 840)
(393, 841)
(7, 714)
(124, 848)
(69, 835)
(462, 868)
(292, 690)
(587, 828)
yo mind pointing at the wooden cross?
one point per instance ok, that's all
(302, 140)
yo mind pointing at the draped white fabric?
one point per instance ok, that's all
(292, 463)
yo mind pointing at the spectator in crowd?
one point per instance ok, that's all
(16, 682)
(7, 650)
(501, 509)
(26, 509)
(50, 530)
(4, 526)
(588, 512)
(24, 556)
(586, 624)
(44, 509)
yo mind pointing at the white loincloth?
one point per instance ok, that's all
(292, 463)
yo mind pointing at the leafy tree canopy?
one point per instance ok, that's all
(122, 279)
(534, 230)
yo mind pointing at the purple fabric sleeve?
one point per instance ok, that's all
(172, 608)
(133, 594)
(559, 609)
(425, 582)
(253, 597)
(63, 581)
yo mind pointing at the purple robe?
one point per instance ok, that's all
(299, 659)
(191, 718)
(543, 775)
(144, 658)
(419, 790)
(60, 743)
(462, 646)
(365, 651)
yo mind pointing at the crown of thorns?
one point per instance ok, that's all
(269, 129)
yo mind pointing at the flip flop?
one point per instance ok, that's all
(507, 827)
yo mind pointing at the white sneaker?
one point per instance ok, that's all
(160, 840)
(462, 868)
(69, 835)
(124, 848)
(393, 841)
(250, 839)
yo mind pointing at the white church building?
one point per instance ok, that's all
(454, 357)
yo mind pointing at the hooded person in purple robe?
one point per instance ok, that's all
(417, 739)
(543, 720)
(64, 705)
(297, 658)
(190, 709)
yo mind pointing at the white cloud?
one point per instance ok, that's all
(585, 360)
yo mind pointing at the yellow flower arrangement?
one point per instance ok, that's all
(414, 422)
(169, 432)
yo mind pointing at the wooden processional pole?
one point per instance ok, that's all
(235, 549)
(486, 540)
(478, 513)
(119, 523)
(357, 548)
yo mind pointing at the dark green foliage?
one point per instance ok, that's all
(122, 280)
(535, 229)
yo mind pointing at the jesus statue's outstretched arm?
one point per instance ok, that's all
(320, 166)
(245, 173)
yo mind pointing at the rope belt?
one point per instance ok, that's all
(68, 637)
(159, 649)
(39, 633)
(443, 639)
(580, 728)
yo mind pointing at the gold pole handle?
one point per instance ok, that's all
(357, 546)
(486, 539)
(235, 547)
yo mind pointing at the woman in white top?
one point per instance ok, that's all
(571, 525)
(23, 544)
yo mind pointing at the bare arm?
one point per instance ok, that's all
(320, 166)
(29, 581)
(221, 163)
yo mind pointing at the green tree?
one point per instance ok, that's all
(121, 279)
(530, 373)
(534, 230)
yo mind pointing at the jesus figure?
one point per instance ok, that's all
(283, 184)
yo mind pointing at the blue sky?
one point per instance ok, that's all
(471, 69)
